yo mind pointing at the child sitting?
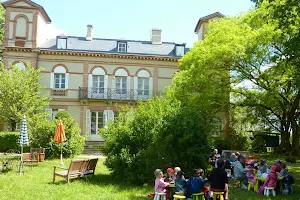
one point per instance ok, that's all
(160, 185)
(271, 180)
(228, 168)
(288, 180)
(176, 169)
(195, 183)
(263, 169)
(170, 175)
(250, 174)
(180, 183)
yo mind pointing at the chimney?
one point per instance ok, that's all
(89, 35)
(156, 36)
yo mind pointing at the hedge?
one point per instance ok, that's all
(8, 140)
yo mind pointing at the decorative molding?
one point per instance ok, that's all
(137, 72)
(98, 67)
(60, 65)
(116, 69)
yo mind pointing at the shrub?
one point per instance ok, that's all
(42, 134)
(258, 145)
(9, 140)
(158, 134)
(221, 144)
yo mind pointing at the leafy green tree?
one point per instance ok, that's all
(2, 20)
(20, 94)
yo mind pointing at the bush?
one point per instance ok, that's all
(42, 134)
(258, 145)
(158, 134)
(221, 145)
(9, 140)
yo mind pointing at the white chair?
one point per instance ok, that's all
(160, 196)
(267, 191)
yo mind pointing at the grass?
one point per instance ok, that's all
(36, 183)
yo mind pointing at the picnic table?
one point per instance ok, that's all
(171, 188)
(260, 180)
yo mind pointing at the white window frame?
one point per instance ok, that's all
(59, 70)
(143, 74)
(122, 47)
(96, 94)
(61, 43)
(142, 90)
(120, 90)
(101, 113)
(98, 89)
(60, 81)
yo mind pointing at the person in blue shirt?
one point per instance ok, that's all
(196, 183)
(180, 183)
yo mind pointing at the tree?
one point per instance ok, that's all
(20, 94)
(2, 20)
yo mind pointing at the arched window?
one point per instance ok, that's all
(59, 77)
(143, 84)
(98, 80)
(20, 64)
(122, 81)
(21, 27)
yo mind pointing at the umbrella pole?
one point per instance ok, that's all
(61, 157)
(21, 164)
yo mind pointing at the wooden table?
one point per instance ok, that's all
(262, 179)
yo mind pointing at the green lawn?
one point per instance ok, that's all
(36, 184)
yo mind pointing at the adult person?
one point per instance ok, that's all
(240, 171)
(219, 180)
(213, 158)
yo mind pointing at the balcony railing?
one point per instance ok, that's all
(114, 94)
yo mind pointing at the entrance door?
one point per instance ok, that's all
(97, 122)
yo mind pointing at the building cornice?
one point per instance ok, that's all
(91, 54)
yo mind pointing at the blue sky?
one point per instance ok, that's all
(133, 19)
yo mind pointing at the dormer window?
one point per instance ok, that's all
(122, 47)
(61, 42)
(179, 49)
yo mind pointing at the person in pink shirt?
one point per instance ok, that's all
(160, 184)
(271, 180)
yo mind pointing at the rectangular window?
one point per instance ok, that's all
(98, 84)
(121, 85)
(143, 86)
(61, 43)
(96, 121)
(60, 81)
(122, 47)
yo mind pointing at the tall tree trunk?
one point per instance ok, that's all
(296, 138)
(285, 145)
(13, 125)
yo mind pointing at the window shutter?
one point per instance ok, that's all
(49, 112)
(90, 85)
(135, 87)
(128, 88)
(88, 121)
(105, 86)
(51, 80)
(105, 118)
(111, 115)
(67, 80)
(150, 86)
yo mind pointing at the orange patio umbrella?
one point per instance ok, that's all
(60, 137)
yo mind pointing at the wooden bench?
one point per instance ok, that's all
(77, 169)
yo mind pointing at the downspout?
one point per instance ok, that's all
(37, 58)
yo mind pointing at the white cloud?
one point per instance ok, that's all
(51, 31)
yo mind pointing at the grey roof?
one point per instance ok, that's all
(134, 47)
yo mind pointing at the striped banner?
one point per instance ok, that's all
(23, 137)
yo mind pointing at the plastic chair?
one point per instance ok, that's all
(160, 196)
(251, 185)
(267, 191)
(178, 197)
(198, 196)
(220, 194)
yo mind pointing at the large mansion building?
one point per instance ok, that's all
(91, 77)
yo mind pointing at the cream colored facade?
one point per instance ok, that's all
(24, 28)
(91, 85)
